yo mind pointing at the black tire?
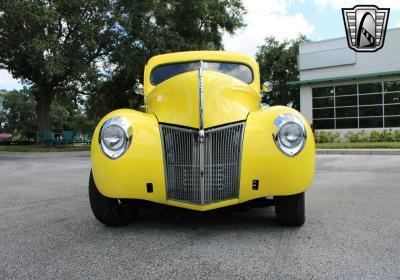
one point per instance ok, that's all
(290, 210)
(110, 211)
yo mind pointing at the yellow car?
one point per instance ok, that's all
(203, 143)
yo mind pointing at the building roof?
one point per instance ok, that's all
(332, 60)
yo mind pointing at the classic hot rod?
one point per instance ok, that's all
(203, 143)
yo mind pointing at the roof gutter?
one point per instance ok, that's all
(344, 78)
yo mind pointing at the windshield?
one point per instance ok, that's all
(237, 70)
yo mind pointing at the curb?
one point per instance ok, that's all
(358, 151)
(46, 154)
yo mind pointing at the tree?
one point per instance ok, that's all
(100, 47)
(278, 64)
(2, 114)
(18, 113)
(81, 123)
(155, 27)
(58, 116)
(18, 117)
(56, 46)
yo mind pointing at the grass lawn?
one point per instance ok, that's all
(44, 148)
(360, 145)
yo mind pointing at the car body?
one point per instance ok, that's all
(204, 142)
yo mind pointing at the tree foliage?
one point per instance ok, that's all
(59, 116)
(56, 45)
(278, 64)
(17, 114)
(100, 47)
(154, 27)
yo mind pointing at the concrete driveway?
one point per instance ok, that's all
(47, 230)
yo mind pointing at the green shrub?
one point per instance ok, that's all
(388, 136)
(396, 134)
(326, 136)
(359, 136)
(375, 136)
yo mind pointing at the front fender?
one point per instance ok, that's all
(277, 173)
(142, 164)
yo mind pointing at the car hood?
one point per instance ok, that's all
(225, 100)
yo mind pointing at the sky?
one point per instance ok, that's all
(283, 19)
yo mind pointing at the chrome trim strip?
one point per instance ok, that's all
(201, 96)
(201, 136)
(202, 142)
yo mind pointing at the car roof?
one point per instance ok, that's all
(201, 55)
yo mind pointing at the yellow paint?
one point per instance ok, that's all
(197, 56)
(127, 176)
(226, 100)
(277, 173)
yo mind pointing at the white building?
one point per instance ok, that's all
(344, 89)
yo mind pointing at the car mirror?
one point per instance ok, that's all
(266, 87)
(138, 89)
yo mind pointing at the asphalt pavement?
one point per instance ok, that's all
(47, 230)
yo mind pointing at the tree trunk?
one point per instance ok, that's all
(43, 99)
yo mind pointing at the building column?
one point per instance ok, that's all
(306, 102)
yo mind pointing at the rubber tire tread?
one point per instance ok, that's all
(290, 210)
(108, 210)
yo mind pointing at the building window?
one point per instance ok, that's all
(323, 113)
(371, 122)
(324, 124)
(346, 112)
(369, 111)
(346, 90)
(392, 97)
(347, 123)
(392, 110)
(323, 92)
(323, 102)
(392, 121)
(366, 88)
(346, 100)
(361, 105)
(370, 99)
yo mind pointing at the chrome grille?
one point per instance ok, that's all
(202, 171)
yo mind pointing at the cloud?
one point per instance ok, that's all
(263, 19)
(7, 81)
(398, 24)
(338, 4)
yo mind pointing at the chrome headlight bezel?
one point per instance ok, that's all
(281, 123)
(116, 123)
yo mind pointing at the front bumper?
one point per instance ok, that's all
(260, 160)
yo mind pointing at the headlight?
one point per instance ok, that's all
(289, 134)
(115, 137)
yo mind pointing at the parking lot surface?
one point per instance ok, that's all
(47, 230)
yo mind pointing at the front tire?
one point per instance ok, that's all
(109, 211)
(290, 210)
